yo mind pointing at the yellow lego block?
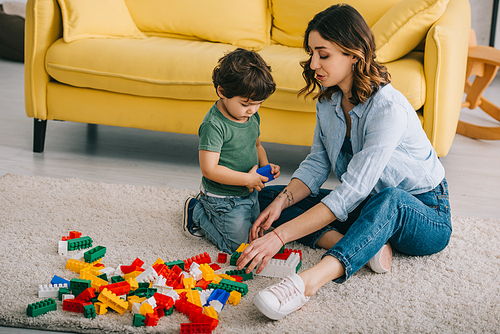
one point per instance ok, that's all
(211, 312)
(113, 301)
(146, 308)
(234, 297)
(133, 300)
(77, 266)
(133, 274)
(158, 261)
(189, 283)
(226, 276)
(134, 285)
(207, 273)
(193, 296)
(95, 281)
(100, 308)
(217, 279)
(241, 248)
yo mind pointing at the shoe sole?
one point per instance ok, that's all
(383, 264)
(185, 220)
(259, 302)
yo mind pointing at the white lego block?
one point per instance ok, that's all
(196, 273)
(50, 290)
(136, 308)
(173, 294)
(186, 274)
(281, 268)
(78, 256)
(63, 247)
(108, 271)
(148, 275)
(204, 294)
(64, 297)
(151, 301)
(118, 271)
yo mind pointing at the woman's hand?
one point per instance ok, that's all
(263, 248)
(265, 219)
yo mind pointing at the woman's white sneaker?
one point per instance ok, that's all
(381, 262)
(279, 300)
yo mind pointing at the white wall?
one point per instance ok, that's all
(481, 12)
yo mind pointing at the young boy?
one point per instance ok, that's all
(230, 153)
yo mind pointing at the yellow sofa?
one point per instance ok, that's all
(148, 64)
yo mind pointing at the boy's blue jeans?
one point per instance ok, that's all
(227, 221)
(413, 224)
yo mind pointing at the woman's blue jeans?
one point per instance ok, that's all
(412, 224)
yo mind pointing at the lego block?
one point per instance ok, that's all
(234, 297)
(193, 296)
(77, 266)
(50, 290)
(79, 284)
(139, 320)
(94, 254)
(151, 319)
(86, 295)
(120, 288)
(73, 305)
(163, 300)
(186, 307)
(218, 299)
(178, 263)
(62, 248)
(89, 311)
(79, 243)
(196, 328)
(95, 281)
(241, 248)
(146, 308)
(198, 317)
(62, 292)
(59, 280)
(210, 311)
(149, 275)
(68, 296)
(113, 301)
(135, 266)
(222, 258)
(72, 235)
(100, 308)
(229, 286)
(282, 268)
(241, 273)
(200, 259)
(189, 282)
(41, 307)
(207, 272)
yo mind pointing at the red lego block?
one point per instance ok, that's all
(161, 269)
(202, 328)
(151, 319)
(222, 258)
(86, 295)
(215, 266)
(159, 312)
(120, 288)
(163, 300)
(237, 278)
(135, 266)
(200, 259)
(73, 305)
(72, 235)
(202, 284)
(203, 318)
(188, 308)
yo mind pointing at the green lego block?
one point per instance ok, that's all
(117, 279)
(79, 243)
(234, 257)
(169, 311)
(104, 276)
(41, 307)
(241, 273)
(178, 263)
(63, 291)
(89, 311)
(144, 292)
(77, 284)
(94, 254)
(139, 320)
(229, 286)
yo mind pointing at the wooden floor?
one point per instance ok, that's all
(124, 155)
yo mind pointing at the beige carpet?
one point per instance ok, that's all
(456, 291)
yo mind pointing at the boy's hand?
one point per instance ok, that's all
(275, 170)
(255, 180)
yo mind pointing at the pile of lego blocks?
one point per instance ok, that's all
(195, 286)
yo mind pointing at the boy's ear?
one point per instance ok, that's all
(220, 92)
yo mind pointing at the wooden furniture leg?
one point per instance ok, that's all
(483, 62)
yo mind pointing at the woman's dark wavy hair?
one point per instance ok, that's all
(244, 73)
(343, 25)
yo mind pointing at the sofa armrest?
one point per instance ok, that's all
(445, 63)
(43, 27)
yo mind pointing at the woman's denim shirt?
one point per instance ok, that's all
(389, 145)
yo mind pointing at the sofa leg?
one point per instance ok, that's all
(39, 135)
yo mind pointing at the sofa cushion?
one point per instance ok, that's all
(290, 17)
(173, 68)
(404, 26)
(97, 19)
(242, 23)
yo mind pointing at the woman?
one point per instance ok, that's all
(392, 192)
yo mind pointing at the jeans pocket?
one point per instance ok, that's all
(219, 206)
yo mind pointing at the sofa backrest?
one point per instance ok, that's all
(245, 23)
(290, 17)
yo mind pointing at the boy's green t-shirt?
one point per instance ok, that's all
(236, 144)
